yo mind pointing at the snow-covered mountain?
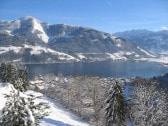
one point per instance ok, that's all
(57, 117)
(27, 26)
(155, 42)
(30, 40)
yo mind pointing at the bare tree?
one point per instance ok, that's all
(149, 104)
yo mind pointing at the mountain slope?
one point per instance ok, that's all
(58, 115)
(88, 43)
(38, 42)
(27, 27)
(155, 42)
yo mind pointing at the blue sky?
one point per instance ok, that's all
(105, 15)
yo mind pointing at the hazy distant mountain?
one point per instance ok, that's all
(30, 40)
(156, 42)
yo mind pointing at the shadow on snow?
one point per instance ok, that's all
(55, 122)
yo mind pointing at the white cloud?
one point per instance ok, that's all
(164, 28)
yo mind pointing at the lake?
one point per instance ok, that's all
(110, 68)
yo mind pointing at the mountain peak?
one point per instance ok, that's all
(41, 33)
(37, 28)
(28, 18)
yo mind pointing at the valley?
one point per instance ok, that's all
(78, 66)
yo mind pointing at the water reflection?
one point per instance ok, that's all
(104, 68)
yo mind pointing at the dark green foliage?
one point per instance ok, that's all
(21, 111)
(15, 75)
(115, 106)
(4, 72)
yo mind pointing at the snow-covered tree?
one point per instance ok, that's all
(15, 75)
(149, 105)
(115, 110)
(22, 81)
(21, 111)
(5, 72)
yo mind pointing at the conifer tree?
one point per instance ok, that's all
(24, 75)
(5, 72)
(15, 75)
(21, 111)
(115, 110)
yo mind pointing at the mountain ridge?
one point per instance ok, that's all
(154, 41)
(74, 43)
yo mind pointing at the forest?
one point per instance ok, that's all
(99, 101)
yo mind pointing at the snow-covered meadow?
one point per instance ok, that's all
(58, 115)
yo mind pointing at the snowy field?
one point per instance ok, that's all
(163, 60)
(58, 115)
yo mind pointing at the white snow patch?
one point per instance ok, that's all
(120, 55)
(113, 37)
(117, 41)
(111, 56)
(33, 93)
(136, 55)
(95, 40)
(36, 50)
(117, 56)
(164, 28)
(17, 60)
(81, 56)
(36, 82)
(10, 48)
(104, 36)
(147, 53)
(8, 32)
(5, 88)
(57, 117)
(41, 34)
(27, 109)
(15, 25)
(118, 45)
(164, 53)
(129, 53)
(161, 59)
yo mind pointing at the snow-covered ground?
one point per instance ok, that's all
(117, 56)
(58, 115)
(147, 53)
(37, 50)
(10, 48)
(41, 34)
(163, 60)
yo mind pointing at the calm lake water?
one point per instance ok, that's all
(104, 69)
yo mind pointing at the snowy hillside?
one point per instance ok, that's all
(41, 34)
(57, 117)
(155, 42)
(32, 41)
